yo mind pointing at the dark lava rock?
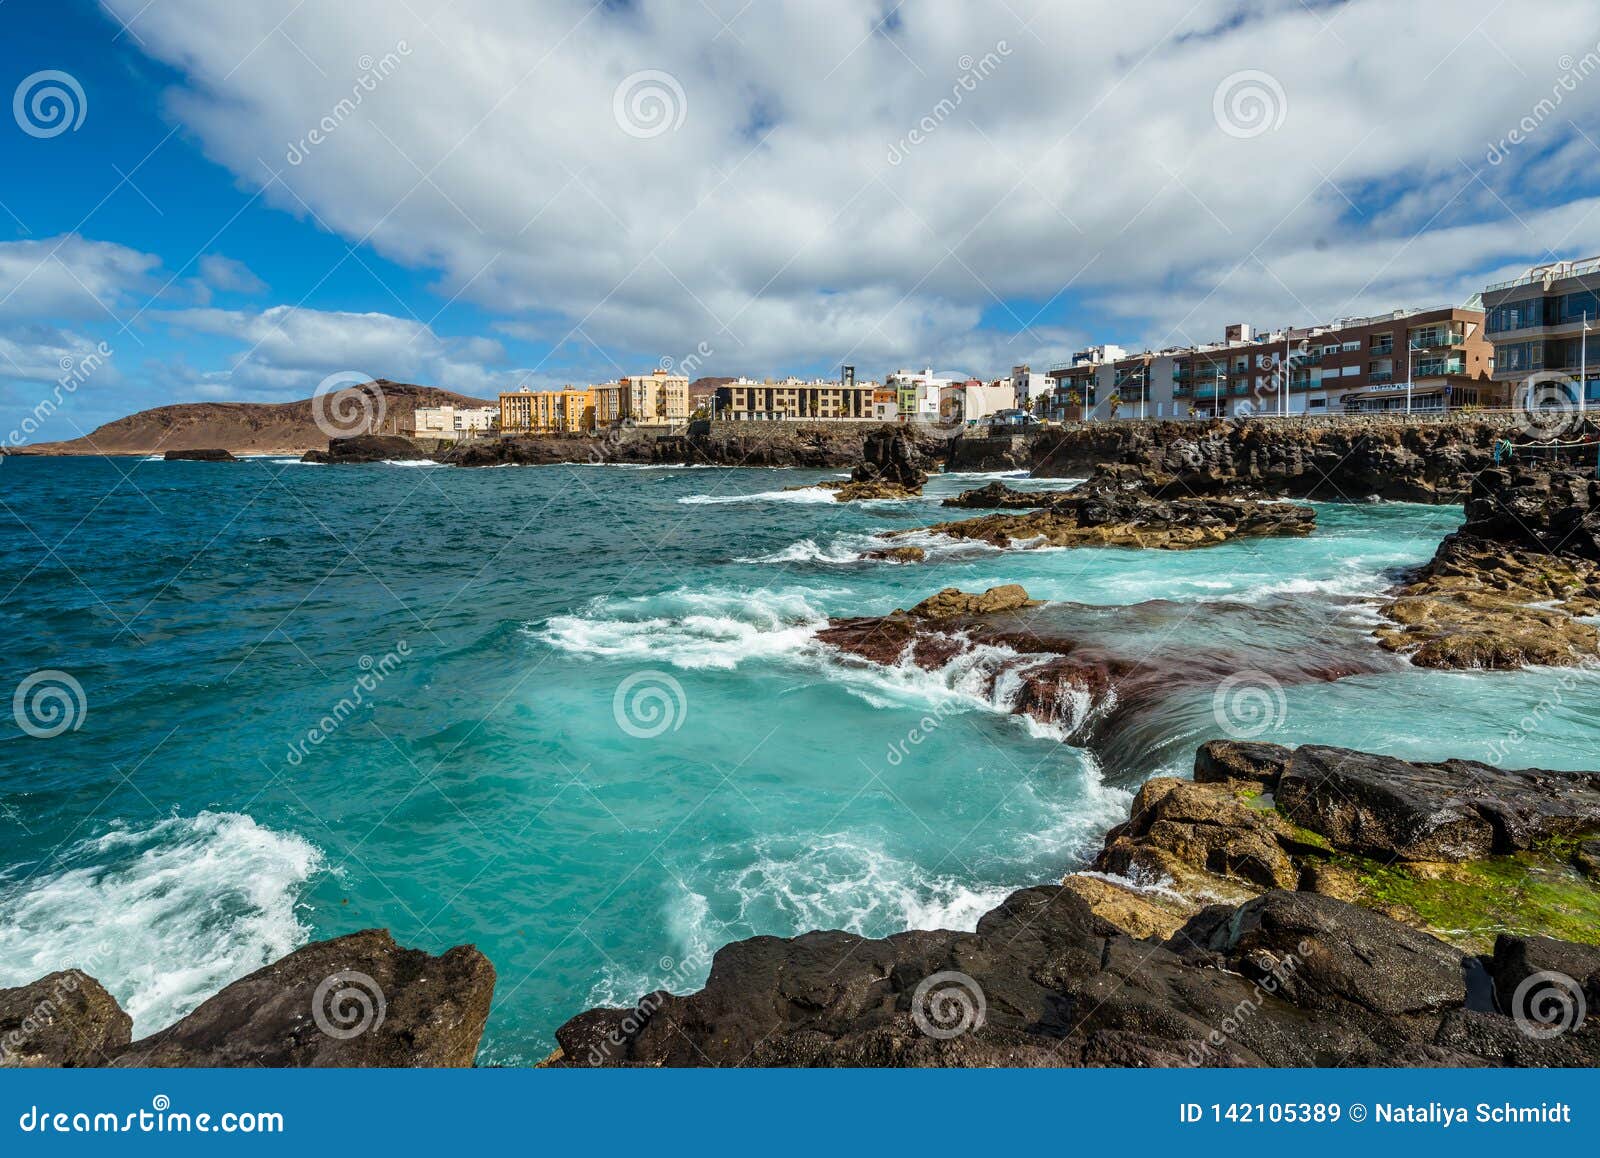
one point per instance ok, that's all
(1587, 858)
(996, 496)
(1109, 512)
(368, 448)
(891, 455)
(66, 1019)
(1218, 761)
(359, 1000)
(1341, 954)
(210, 455)
(1517, 959)
(1285, 980)
(1382, 807)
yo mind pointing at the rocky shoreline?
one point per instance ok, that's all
(1279, 942)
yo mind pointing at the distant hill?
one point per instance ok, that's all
(258, 427)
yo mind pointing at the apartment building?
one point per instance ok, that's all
(1539, 324)
(567, 411)
(655, 399)
(791, 399)
(1029, 389)
(450, 421)
(917, 394)
(1419, 360)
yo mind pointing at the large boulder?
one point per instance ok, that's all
(359, 1000)
(360, 448)
(1458, 810)
(1328, 954)
(66, 1019)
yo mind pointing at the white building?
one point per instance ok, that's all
(449, 421)
(917, 394)
(973, 401)
(1028, 387)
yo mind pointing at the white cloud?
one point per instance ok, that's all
(771, 225)
(73, 277)
(287, 351)
(229, 276)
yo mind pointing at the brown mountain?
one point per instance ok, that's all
(261, 427)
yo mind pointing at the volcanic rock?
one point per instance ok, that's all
(209, 454)
(1459, 810)
(1105, 512)
(65, 1019)
(358, 1000)
(368, 448)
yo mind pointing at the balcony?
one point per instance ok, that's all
(1438, 369)
(1378, 377)
(1382, 349)
(1433, 339)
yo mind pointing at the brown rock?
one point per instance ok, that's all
(952, 602)
(359, 1000)
(66, 1019)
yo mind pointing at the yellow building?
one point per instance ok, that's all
(655, 399)
(607, 405)
(568, 411)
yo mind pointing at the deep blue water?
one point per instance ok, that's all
(489, 785)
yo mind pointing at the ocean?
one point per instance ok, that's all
(577, 715)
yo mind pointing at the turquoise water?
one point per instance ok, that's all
(488, 784)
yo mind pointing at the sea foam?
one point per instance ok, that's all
(162, 916)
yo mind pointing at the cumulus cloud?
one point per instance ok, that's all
(73, 277)
(285, 351)
(842, 180)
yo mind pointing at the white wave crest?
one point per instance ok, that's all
(162, 916)
(803, 495)
(691, 629)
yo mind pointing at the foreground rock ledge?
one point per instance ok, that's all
(1049, 978)
(359, 1000)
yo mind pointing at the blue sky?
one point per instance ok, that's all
(569, 191)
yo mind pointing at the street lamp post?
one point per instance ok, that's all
(1583, 371)
(1410, 346)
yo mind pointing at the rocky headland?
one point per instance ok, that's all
(362, 448)
(205, 454)
(358, 1000)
